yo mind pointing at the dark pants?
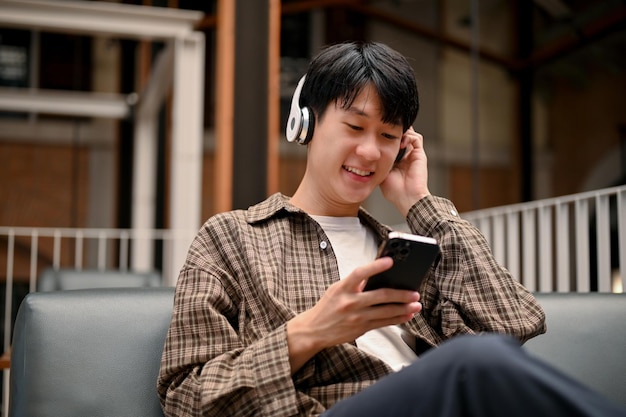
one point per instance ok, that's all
(478, 376)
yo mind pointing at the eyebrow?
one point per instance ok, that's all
(357, 111)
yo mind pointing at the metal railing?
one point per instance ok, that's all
(574, 243)
(26, 252)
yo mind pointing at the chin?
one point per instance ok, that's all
(355, 197)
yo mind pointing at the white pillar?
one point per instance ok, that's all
(186, 148)
(144, 189)
(145, 158)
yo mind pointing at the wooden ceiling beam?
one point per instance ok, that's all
(603, 25)
(430, 34)
(613, 20)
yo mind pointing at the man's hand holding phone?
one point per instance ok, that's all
(345, 312)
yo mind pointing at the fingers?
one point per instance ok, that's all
(385, 296)
(388, 313)
(345, 312)
(356, 280)
(376, 308)
(411, 141)
(414, 139)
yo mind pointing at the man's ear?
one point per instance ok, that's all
(402, 150)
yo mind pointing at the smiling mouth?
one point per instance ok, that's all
(358, 171)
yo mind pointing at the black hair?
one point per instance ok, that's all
(339, 72)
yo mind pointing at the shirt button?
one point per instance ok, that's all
(453, 212)
(323, 244)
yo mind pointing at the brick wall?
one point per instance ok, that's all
(40, 186)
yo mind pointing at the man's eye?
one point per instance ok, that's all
(354, 127)
(389, 136)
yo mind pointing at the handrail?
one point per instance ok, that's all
(97, 241)
(29, 250)
(570, 243)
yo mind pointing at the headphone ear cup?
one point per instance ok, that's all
(307, 126)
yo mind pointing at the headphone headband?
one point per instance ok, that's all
(300, 122)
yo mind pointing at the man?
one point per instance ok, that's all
(270, 316)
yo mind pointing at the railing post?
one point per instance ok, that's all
(498, 238)
(529, 251)
(582, 245)
(562, 248)
(34, 244)
(8, 295)
(56, 250)
(78, 250)
(123, 251)
(603, 244)
(621, 226)
(545, 248)
(513, 246)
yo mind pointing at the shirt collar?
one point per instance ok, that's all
(279, 203)
(270, 207)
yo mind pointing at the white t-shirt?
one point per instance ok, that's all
(355, 245)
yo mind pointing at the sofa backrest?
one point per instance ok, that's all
(586, 339)
(97, 352)
(92, 352)
(74, 279)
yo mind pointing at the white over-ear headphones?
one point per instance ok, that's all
(301, 120)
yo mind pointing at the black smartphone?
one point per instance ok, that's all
(412, 257)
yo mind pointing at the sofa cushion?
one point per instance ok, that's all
(89, 352)
(586, 339)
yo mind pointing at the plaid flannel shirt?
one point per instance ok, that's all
(249, 271)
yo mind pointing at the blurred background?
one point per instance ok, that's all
(520, 100)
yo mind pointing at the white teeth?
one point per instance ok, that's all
(358, 171)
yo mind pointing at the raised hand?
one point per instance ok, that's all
(407, 182)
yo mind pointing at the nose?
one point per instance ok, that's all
(368, 149)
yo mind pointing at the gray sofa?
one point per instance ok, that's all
(586, 339)
(74, 279)
(97, 352)
(92, 352)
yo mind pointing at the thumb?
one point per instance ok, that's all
(355, 279)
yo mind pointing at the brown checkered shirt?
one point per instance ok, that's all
(249, 271)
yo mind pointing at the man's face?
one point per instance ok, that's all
(352, 150)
